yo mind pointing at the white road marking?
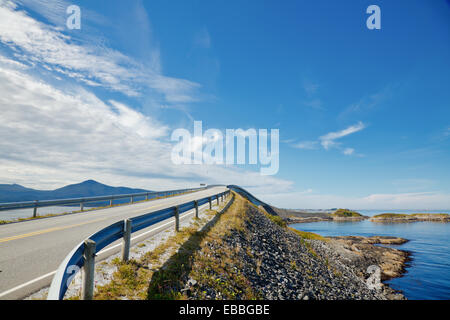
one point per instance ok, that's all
(5, 293)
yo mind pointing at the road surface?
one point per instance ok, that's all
(31, 251)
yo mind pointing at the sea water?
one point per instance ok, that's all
(428, 274)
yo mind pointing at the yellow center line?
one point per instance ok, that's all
(35, 233)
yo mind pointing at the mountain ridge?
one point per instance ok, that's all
(89, 188)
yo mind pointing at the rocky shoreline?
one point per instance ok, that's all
(360, 253)
(279, 263)
(295, 216)
(416, 217)
(293, 220)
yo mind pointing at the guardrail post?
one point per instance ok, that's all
(87, 290)
(126, 240)
(196, 208)
(146, 197)
(210, 203)
(35, 209)
(217, 198)
(177, 219)
(132, 199)
(111, 202)
(81, 206)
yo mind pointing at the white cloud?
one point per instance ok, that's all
(52, 137)
(307, 145)
(312, 101)
(413, 201)
(328, 140)
(368, 103)
(11, 63)
(314, 104)
(37, 43)
(447, 132)
(348, 151)
(310, 87)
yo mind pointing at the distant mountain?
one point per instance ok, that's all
(89, 188)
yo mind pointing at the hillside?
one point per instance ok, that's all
(89, 188)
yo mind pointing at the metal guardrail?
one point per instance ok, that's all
(82, 201)
(253, 199)
(83, 256)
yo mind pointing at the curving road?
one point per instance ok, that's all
(31, 251)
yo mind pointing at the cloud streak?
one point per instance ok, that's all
(34, 42)
(395, 201)
(51, 137)
(329, 140)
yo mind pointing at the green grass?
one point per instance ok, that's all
(277, 220)
(308, 235)
(391, 215)
(150, 277)
(345, 213)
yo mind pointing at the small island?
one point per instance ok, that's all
(302, 216)
(342, 215)
(414, 217)
(347, 215)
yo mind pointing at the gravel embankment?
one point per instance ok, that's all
(280, 265)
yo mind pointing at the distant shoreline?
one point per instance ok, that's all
(343, 215)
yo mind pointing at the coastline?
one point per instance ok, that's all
(359, 253)
(382, 218)
(414, 217)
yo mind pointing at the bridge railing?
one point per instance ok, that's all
(82, 257)
(82, 201)
(253, 199)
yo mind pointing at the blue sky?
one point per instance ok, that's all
(363, 114)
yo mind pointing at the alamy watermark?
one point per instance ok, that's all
(374, 281)
(214, 147)
(374, 20)
(74, 19)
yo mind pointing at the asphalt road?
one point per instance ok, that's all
(31, 251)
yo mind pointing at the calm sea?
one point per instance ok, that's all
(26, 213)
(428, 276)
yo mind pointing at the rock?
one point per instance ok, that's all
(191, 282)
(371, 240)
